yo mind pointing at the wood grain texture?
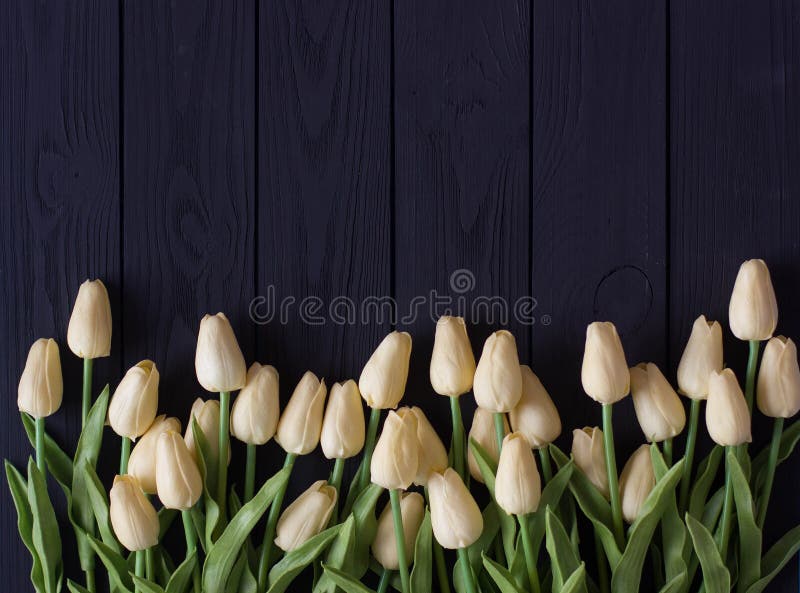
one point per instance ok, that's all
(59, 221)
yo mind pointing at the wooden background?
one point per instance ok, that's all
(614, 159)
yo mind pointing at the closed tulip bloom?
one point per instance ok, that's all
(142, 463)
(206, 413)
(753, 310)
(396, 457)
(482, 430)
(455, 517)
(727, 416)
(658, 408)
(535, 415)
(702, 355)
(452, 360)
(255, 413)
(342, 434)
(89, 330)
(41, 386)
(779, 379)
(432, 453)
(218, 360)
(384, 546)
(383, 379)
(517, 487)
(636, 482)
(301, 423)
(135, 402)
(178, 480)
(306, 516)
(498, 380)
(589, 454)
(604, 373)
(133, 518)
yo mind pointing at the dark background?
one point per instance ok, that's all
(614, 159)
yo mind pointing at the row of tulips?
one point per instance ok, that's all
(702, 535)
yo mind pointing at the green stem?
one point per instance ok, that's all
(149, 566)
(124, 455)
(688, 456)
(750, 379)
(250, 472)
(336, 481)
(547, 468)
(458, 435)
(466, 571)
(499, 430)
(438, 557)
(362, 473)
(611, 467)
(40, 461)
(191, 546)
(383, 584)
(272, 522)
(727, 508)
(774, 449)
(91, 585)
(400, 539)
(602, 564)
(668, 452)
(88, 363)
(224, 444)
(140, 565)
(530, 559)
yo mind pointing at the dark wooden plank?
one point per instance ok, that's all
(59, 212)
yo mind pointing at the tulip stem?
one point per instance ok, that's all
(774, 449)
(140, 566)
(438, 557)
(148, 562)
(750, 379)
(224, 444)
(499, 430)
(547, 468)
(668, 452)
(688, 455)
(400, 539)
(272, 522)
(458, 435)
(611, 467)
(124, 455)
(191, 547)
(383, 584)
(250, 472)
(602, 564)
(727, 507)
(40, 461)
(88, 364)
(335, 480)
(466, 571)
(530, 559)
(362, 473)
(91, 585)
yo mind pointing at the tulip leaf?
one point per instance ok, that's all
(501, 576)
(677, 584)
(235, 576)
(491, 525)
(706, 472)
(222, 555)
(59, 463)
(44, 531)
(366, 525)
(340, 552)
(145, 586)
(293, 563)
(713, 509)
(749, 532)
(345, 581)
(199, 524)
(422, 572)
(19, 493)
(776, 558)
(716, 577)
(99, 500)
(75, 587)
(116, 566)
(208, 468)
(551, 496)
(576, 583)
(182, 576)
(789, 440)
(674, 538)
(563, 559)
(165, 518)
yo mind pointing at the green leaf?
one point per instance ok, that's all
(576, 583)
(789, 440)
(165, 518)
(340, 551)
(777, 557)
(59, 463)
(713, 510)
(716, 577)
(292, 564)
(99, 500)
(675, 585)
(501, 576)
(208, 469)
(182, 576)
(366, 525)
(75, 587)
(706, 472)
(115, 564)
(345, 581)
(749, 532)
(422, 573)
(235, 576)
(551, 495)
(19, 493)
(491, 525)
(562, 557)
(44, 531)
(674, 537)
(145, 586)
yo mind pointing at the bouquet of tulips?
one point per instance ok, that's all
(699, 523)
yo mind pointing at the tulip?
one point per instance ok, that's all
(89, 330)
(753, 310)
(300, 425)
(588, 451)
(432, 453)
(604, 373)
(218, 360)
(41, 387)
(342, 434)
(727, 417)
(254, 415)
(452, 361)
(779, 379)
(135, 402)
(383, 379)
(658, 408)
(702, 355)
(384, 546)
(395, 460)
(178, 478)
(133, 518)
(455, 516)
(206, 414)
(535, 416)
(517, 487)
(482, 432)
(306, 516)
(636, 482)
(498, 379)
(142, 463)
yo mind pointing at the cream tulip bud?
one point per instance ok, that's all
(178, 479)
(384, 546)
(636, 482)
(306, 516)
(343, 425)
(517, 486)
(135, 402)
(432, 453)
(779, 379)
(301, 423)
(658, 408)
(604, 373)
(727, 416)
(383, 379)
(142, 462)
(206, 413)
(753, 310)
(535, 415)
(396, 457)
(498, 380)
(589, 453)
(452, 360)
(455, 517)
(255, 412)
(89, 329)
(483, 431)
(133, 518)
(218, 360)
(41, 386)
(702, 355)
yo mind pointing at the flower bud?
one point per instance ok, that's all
(727, 416)
(452, 360)
(535, 416)
(455, 517)
(178, 479)
(384, 546)
(753, 310)
(604, 373)
(133, 518)
(483, 431)
(206, 413)
(142, 462)
(702, 355)
(498, 380)
(658, 408)
(41, 387)
(218, 360)
(589, 454)
(301, 423)
(779, 379)
(89, 330)
(135, 402)
(636, 482)
(383, 379)
(306, 516)
(432, 454)
(343, 425)
(396, 456)
(255, 412)
(517, 486)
